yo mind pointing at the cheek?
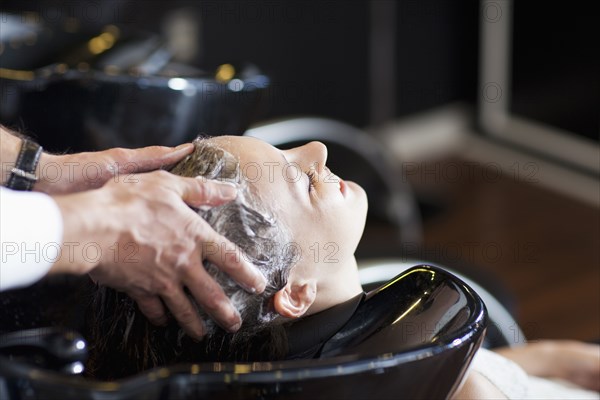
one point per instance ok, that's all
(333, 239)
(346, 224)
(328, 234)
(346, 217)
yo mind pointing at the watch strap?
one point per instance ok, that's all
(22, 176)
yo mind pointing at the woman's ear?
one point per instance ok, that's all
(294, 299)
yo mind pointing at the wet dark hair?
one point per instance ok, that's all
(123, 342)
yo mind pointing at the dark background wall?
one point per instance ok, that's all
(318, 52)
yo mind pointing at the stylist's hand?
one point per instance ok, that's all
(572, 361)
(70, 173)
(139, 236)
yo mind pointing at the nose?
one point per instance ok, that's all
(312, 155)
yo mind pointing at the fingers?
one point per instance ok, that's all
(148, 158)
(152, 308)
(214, 247)
(199, 192)
(210, 296)
(195, 192)
(180, 307)
(184, 312)
(155, 157)
(229, 258)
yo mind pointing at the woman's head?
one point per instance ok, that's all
(323, 216)
(248, 222)
(293, 219)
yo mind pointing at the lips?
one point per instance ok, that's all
(341, 184)
(343, 187)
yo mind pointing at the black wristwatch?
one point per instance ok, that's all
(22, 176)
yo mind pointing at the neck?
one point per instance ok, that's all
(336, 286)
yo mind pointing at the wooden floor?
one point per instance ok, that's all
(539, 250)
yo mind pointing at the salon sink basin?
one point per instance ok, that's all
(413, 336)
(131, 92)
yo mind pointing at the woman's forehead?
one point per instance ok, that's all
(249, 150)
(240, 143)
(257, 159)
(266, 170)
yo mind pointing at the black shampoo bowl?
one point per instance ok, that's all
(412, 337)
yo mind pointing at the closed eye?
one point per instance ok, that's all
(312, 180)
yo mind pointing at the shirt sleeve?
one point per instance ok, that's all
(31, 231)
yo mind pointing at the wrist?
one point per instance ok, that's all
(85, 232)
(19, 173)
(9, 148)
(49, 173)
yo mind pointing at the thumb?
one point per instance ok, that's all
(202, 192)
(148, 158)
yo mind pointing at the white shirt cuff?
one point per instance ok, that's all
(31, 231)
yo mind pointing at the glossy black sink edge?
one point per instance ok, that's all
(263, 372)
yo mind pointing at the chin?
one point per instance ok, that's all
(356, 192)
